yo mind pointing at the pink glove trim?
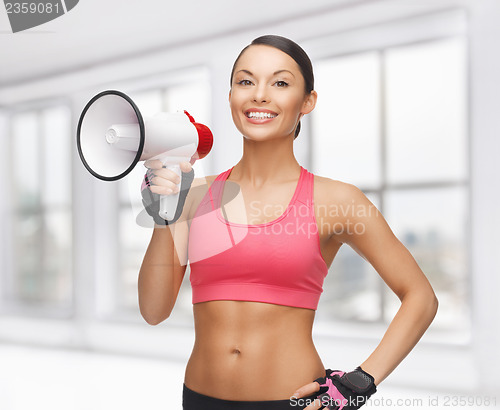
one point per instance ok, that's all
(333, 392)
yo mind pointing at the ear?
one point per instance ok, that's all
(309, 102)
(229, 99)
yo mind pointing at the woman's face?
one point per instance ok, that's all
(267, 96)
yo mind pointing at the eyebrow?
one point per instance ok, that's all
(276, 72)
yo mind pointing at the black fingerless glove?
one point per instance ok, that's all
(151, 201)
(345, 391)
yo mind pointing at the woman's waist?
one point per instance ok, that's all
(253, 344)
(245, 371)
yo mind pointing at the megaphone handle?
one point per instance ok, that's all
(168, 203)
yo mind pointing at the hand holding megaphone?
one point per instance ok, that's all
(158, 183)
(113, 137)
(164, 181)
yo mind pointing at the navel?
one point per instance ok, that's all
(236, 351)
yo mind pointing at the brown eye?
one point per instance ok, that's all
(281, 84)
(244, 82)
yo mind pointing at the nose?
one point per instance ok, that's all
(260, 93)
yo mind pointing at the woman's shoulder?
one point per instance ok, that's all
(340, 204)
(328, 191)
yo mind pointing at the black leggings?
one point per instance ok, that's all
(192, 400)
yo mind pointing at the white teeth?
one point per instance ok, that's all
(260, 115)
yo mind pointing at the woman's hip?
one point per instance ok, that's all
(192, 400)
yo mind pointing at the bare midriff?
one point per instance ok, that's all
(251, 350)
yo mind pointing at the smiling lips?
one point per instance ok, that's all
(259, 116)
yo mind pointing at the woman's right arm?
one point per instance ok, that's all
(165, 261)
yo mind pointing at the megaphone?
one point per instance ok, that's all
(113, 136)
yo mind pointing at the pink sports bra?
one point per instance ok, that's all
(277, 262)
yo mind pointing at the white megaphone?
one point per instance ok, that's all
(113, 137)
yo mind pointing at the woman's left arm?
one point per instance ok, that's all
(367, 232)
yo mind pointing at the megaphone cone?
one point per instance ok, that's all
(98, 154)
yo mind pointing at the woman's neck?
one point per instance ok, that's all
(266, 162)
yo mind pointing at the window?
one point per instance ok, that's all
(394, 123)
(41, 277)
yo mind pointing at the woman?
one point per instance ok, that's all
(256, 272)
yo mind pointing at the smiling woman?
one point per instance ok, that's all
(301, 64)
(256, 287)
(263, 95)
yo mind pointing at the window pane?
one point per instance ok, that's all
(426, 112)
(130, 187)
(28, 252)
(57, 273)
(345, 121)
(134, 242)
(193, 97)
(42, 241)
(57, 156)
(42, 259)
(149, 102)
(26, 160)
(352, 287)
(432, 225)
